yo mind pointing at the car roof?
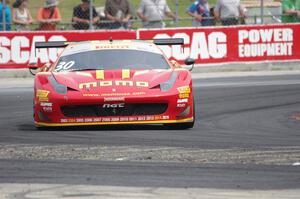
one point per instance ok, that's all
(78, 47)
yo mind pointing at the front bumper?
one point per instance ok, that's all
(53, 116)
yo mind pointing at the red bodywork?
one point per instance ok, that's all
(100, 97)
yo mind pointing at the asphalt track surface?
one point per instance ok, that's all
(241, 114)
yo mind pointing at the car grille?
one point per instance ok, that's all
(127, 110)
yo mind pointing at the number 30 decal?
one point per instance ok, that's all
(64, 66)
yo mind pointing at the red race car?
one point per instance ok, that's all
(114, 82)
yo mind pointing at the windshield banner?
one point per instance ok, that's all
(17, 49)
(231, 44)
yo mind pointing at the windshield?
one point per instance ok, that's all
(111, 60)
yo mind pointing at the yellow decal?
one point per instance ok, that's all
(42, 95)
(184, 95)
(125, 74)
(100, 74)
(184, 90)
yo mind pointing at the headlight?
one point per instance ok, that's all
(166, 86)
(59, 88)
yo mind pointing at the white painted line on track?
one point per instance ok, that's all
(247, 83)
(296, 164)
(210, 75)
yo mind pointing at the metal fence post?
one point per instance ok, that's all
(262, 11)
(177, 11)
(91, 15)
(3, 15)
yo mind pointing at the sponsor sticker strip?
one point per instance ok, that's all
(115, 119)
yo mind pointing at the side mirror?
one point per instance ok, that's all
(33, 70)
(189, 62)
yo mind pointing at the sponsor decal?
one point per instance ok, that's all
(96, 119)
(149, 118)
(181, 105)
(105, 119)
(111, 95)
(46, 104)
(166, 117)
(80, 120)
(141, 118)
(183, 100)
(184, 92)
(184, 89)
(120, 105)
(138, 93)
(42, 95)
(115, 119)
(72, 120)
(47, 109)
(63, 120)
(124, 119)
(89, 85)
(110, 46)
(88, 120)
(114, 94)
(184, 95)
(113, 99)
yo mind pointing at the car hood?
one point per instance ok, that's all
(118, 80)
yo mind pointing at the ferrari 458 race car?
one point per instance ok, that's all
(113, 82)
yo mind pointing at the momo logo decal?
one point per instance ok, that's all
(89, 85)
